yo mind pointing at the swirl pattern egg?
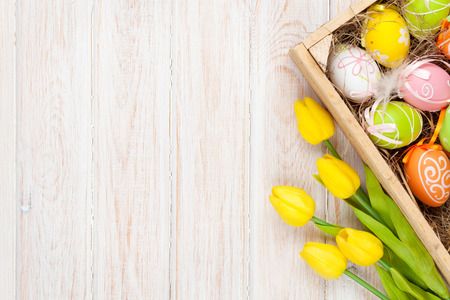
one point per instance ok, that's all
(425, 86)
(397, 126)
(428, 175)
(354, 72)
(386, 36)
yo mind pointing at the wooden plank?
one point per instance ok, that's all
(279, 155)
(336, 22)
(133, 81)
(8, 200)
(54, 148)
(211, 134)
(371, 156)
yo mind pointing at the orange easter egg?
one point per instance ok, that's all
(428, 175)
(443, 40)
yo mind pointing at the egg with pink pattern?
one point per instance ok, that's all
(425, 86)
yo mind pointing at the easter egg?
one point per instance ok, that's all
(443, 40)
(424, 17)
(425, 86)
(354, 72)
(427, 173)
(444, 134)
(395, 127)
(385, 36)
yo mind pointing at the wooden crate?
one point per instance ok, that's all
(311, 57)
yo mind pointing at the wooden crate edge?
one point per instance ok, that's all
(370, 155)
(337, 22)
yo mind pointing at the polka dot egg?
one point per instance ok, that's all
(386, 36)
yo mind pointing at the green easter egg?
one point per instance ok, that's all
(424, 17)
(444, 134)
(405, 124)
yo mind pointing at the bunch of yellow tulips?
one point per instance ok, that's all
(405, 267)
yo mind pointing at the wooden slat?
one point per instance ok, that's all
(279, 155)
(336, 22)
(54, 148)
(8, 198)
(371, 156)
(211, 144)
(132, 86)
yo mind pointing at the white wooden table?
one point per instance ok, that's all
(139, 143)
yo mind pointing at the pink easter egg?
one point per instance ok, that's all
(425, 86)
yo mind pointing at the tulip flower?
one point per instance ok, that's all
(314, 123)
(293, 205)
(329, 262)
(361, 247)
(326, 260)
(338, 177)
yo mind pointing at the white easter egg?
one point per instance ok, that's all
(354, 72)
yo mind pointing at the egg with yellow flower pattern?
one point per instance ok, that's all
(385, 36)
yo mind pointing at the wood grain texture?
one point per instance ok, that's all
(54, 148)
(8, 200)
(211, 128)
(279, 155)
(131, 94)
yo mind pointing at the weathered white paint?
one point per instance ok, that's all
(149, 136)
(131, 149)
(8, 199)
(54, 148)
(211, 149)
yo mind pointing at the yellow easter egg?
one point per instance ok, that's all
(385, 36)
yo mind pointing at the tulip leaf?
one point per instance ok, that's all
(331, 230)
(410, 288)
(394, 261)
(389, 285)
(377, 198)
(319, 180)
(388, 238)
(425, 265)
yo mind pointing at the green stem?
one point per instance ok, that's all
(363, 195)
(369, 208)
(332, 149)
(384, 264)
(366, 285)
(321, 222)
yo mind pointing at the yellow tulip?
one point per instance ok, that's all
(314, 123)
(293, 205)
(361, 247)
(338, 177)
(326, 260)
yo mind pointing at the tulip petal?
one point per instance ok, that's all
(326, 260)
(338, 177)
(294, 205)
(361, 247)
(314, 123)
